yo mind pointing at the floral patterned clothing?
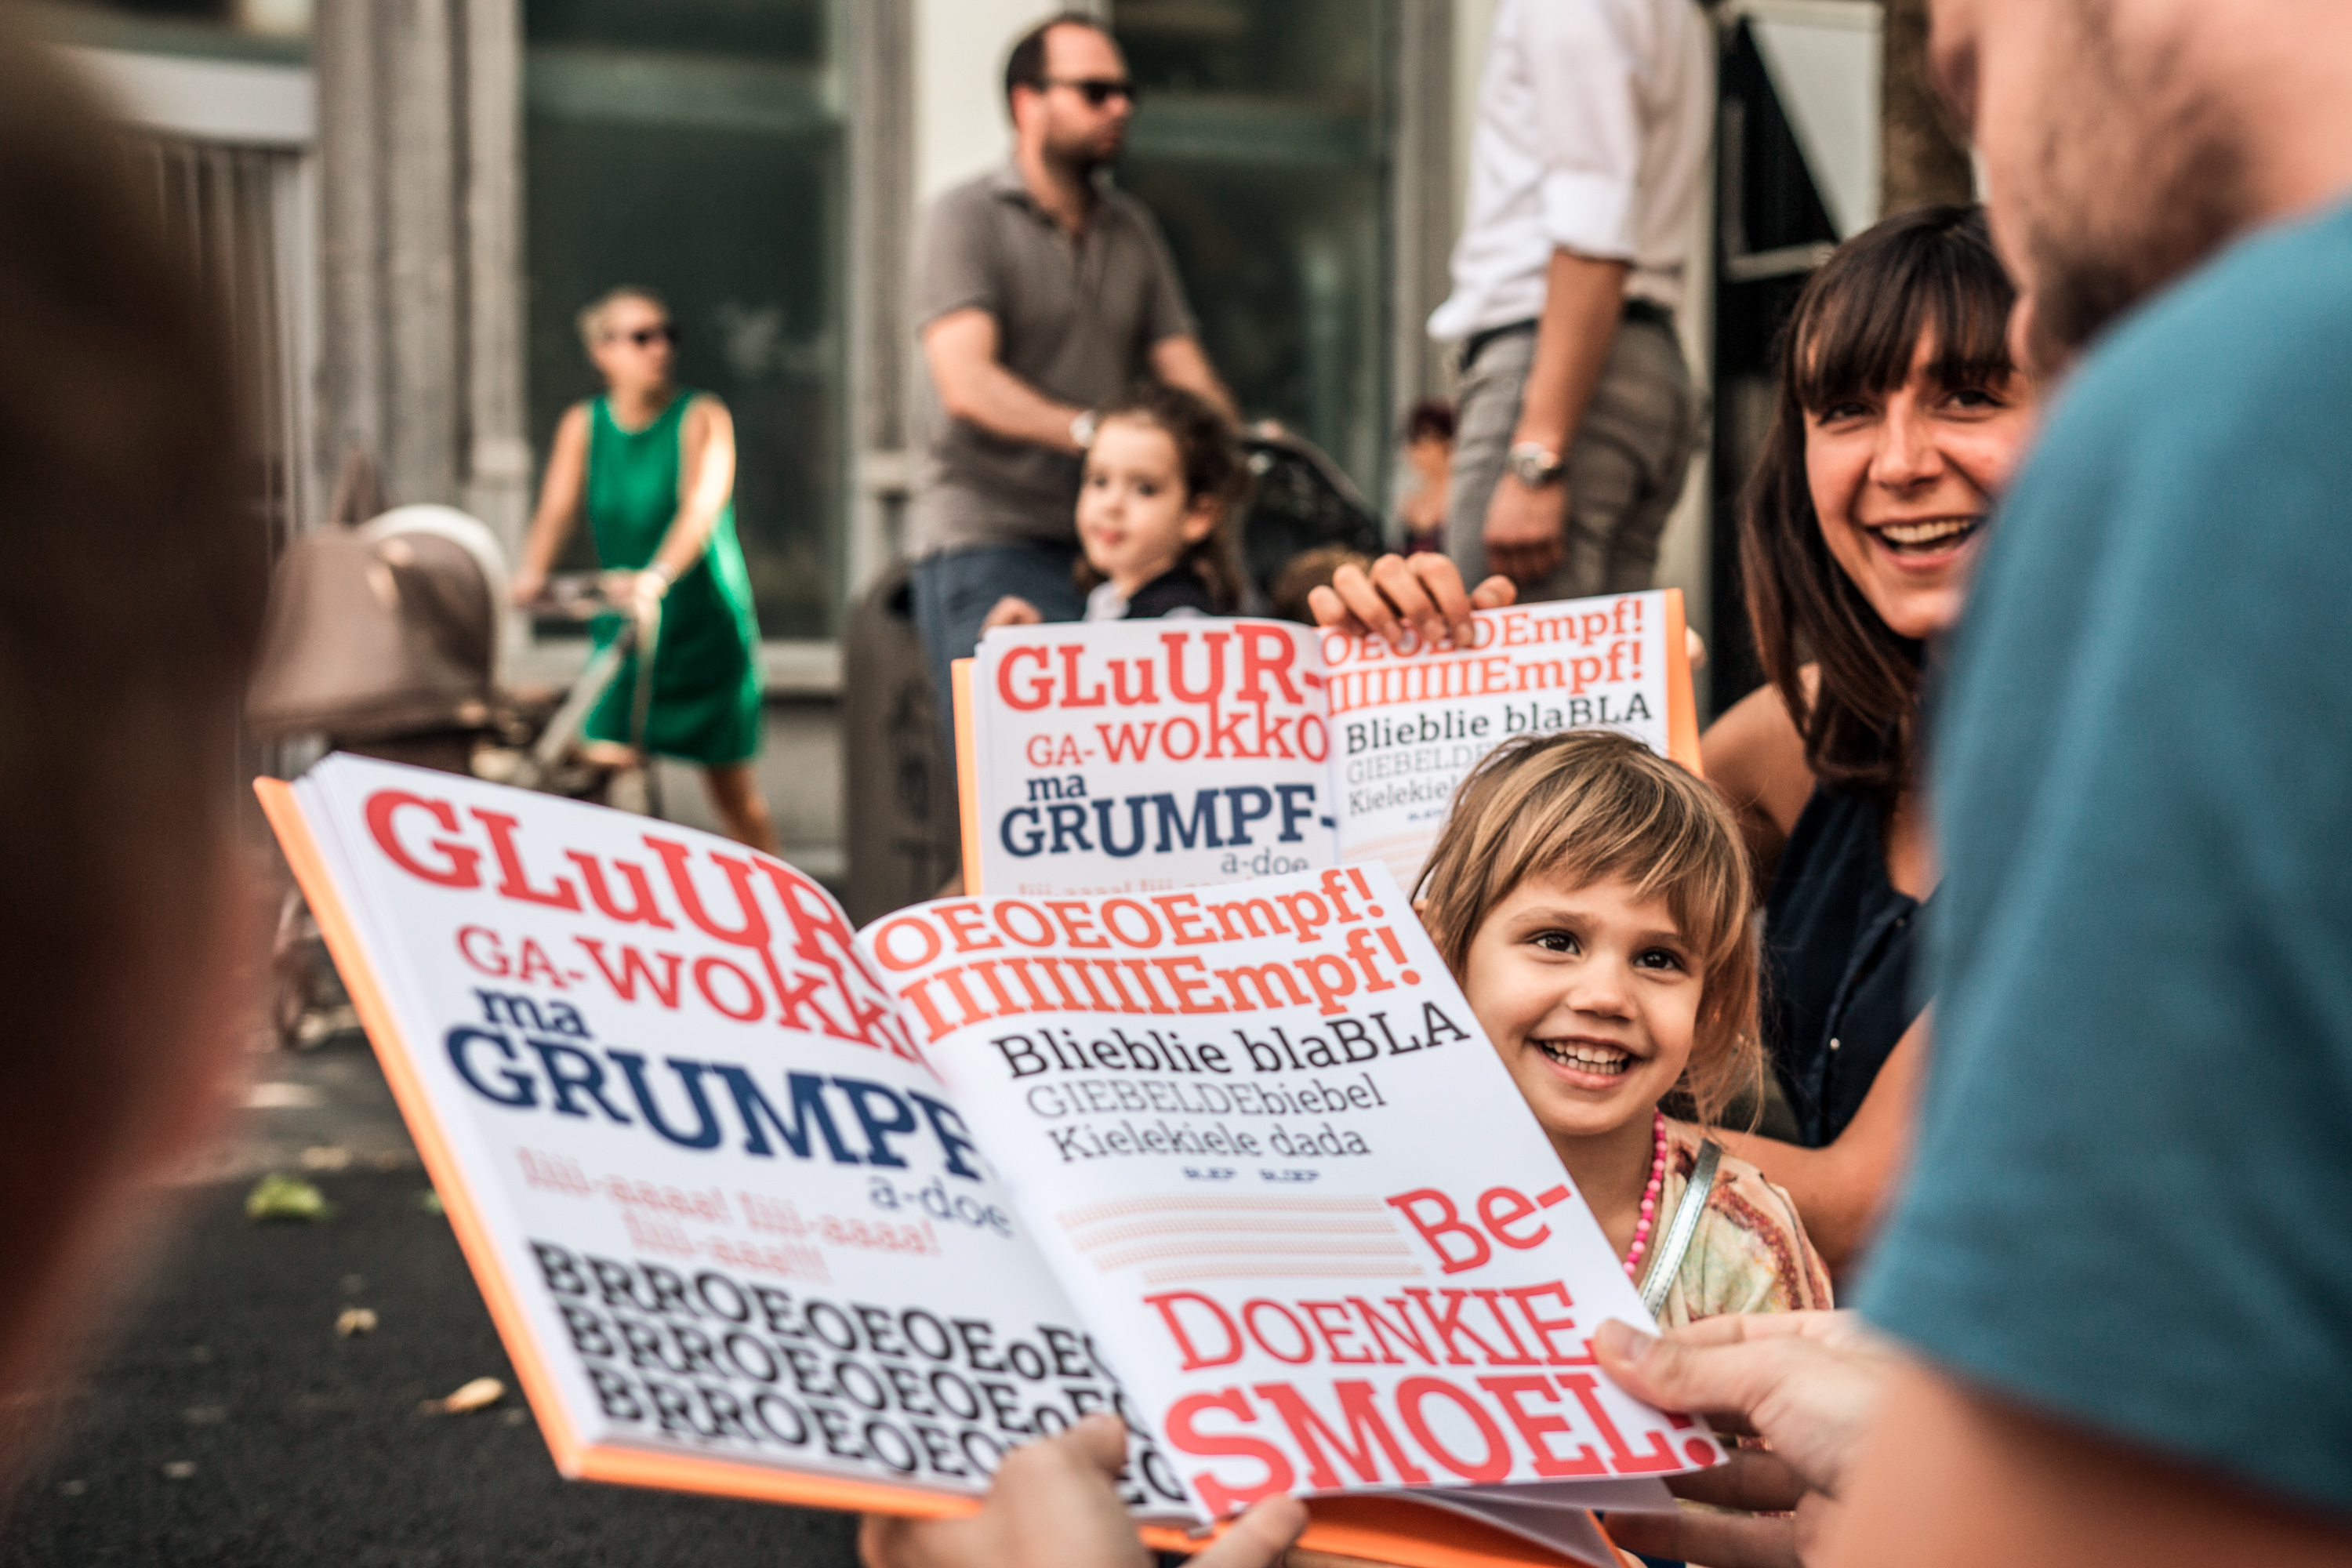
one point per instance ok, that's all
(1749, 1254)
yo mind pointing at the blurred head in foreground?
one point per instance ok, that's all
(127, 615)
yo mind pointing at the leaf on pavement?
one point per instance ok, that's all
(280, 1196)
(478, 1395)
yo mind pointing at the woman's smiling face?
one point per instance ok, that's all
(1591, 994)
(1903, 481)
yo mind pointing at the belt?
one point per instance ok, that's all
(1636, 310)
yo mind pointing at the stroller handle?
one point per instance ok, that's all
(574, 597)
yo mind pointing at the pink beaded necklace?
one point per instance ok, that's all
(1649, 1205)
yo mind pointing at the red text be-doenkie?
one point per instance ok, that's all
(1389, 1438)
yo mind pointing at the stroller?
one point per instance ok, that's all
(1299, 500)
(387, 639)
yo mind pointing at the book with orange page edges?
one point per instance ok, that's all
(768, 1208)
(1135, 756)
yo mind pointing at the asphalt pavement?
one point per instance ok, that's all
(231, 1423)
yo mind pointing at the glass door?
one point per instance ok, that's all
(697, 148)
(1261, 145)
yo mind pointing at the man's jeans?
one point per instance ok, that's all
(955, 589)
(1625, 468)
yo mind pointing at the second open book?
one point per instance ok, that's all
(764, 1208)
(1134, 756)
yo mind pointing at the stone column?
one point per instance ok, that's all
(1422, 203)
(419, 115)
(1919, 161)
(881, 337)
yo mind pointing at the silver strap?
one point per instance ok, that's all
(1668, 1260)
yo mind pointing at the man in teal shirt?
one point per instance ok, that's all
(2121, 1275)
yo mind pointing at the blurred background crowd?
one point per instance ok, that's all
(407, 206)
(798, 338)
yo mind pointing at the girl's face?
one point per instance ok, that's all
(1134, 518)
(1590, 996)
(1903, 481)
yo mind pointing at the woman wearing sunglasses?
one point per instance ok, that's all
(652, 465)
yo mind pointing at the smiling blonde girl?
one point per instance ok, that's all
(1593, 900)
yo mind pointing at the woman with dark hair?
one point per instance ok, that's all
(1898, 415)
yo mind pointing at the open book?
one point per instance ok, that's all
(764, 1208)
(1136, 756)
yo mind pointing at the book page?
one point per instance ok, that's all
(1571, 1530)
(1290, 1186)
(1408, 723)
(734, 1233)
(1137, 756)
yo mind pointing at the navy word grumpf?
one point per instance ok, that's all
(538, 1057)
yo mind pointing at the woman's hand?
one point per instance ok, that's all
(1809, 1383)
(1421, 592)
(633, 593)
(527, 585)
(1056, 1501)
(1013, 611)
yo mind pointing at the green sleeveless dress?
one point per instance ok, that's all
(706, 698)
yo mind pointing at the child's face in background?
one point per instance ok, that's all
(1429, 454)
(1590, 996)
(1134, 518)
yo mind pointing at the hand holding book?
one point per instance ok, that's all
(1407, 598)
(1057, 1501)
(764, 1210)
(1134, 756)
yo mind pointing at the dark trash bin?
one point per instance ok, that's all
(902, 823)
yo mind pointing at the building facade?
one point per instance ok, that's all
(412, 198)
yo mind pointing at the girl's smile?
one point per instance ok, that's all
(1585, 1057)
(1591, 994)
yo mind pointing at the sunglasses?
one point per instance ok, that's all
(646, 337)
(1098, 90)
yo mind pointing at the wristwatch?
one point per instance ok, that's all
(1082, 428)
(1534, 464)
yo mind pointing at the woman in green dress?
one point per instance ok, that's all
(652, 465)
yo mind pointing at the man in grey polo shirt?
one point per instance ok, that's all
(1040, 291)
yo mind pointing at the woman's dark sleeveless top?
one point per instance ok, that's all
(1838, 940)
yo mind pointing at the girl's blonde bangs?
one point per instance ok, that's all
(1590, 805)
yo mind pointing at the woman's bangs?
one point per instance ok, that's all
(1971, 329)
(1859, 331)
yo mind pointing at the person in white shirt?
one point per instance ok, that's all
(1578, 415)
